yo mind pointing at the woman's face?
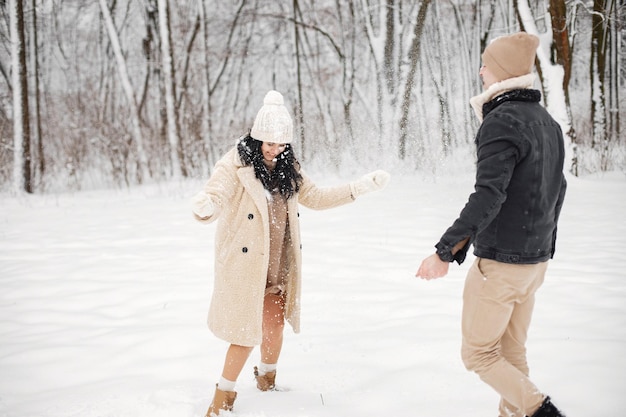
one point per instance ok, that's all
(487, 77)
(271, 150)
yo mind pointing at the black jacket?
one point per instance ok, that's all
(512, 215)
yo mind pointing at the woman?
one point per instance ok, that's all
(254, 191)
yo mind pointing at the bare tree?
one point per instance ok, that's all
(128, 89)
(616, 25)
(167, 54)
(149, 48)
(441, 78)
(372, 35)
(206, 85)
(41, 160)
(299, 108)
(390, 54)
(388, 26)
(562, 56)
(597, 73)
(561, 42)
(348, 63)
(21, 122)
(410, 79)
(552, 81)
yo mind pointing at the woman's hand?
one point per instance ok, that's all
(373, 181)
(202, 206)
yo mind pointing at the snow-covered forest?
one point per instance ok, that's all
(112, 113)
(113, 93)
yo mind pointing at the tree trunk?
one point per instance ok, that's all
(410, 79)
(41, 160)
(561, 45)
(597, 71)
(389, 61)
(21, 124)
(441, 79)
(149, 49)
(348, 66)
(176, 152)
(128, 89)
(370, 33)
(552, 81)
(469, 55)
(206, 96)
(227, 52)
(560, 40)
(299, 108)
(613, 83)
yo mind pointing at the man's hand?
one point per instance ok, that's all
(432, 267)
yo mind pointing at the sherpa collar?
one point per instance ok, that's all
(516, 83)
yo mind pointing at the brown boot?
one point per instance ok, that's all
(265, 382)
(222, 400)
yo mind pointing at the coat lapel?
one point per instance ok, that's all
(255, 189)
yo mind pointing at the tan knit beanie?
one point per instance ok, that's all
(273, 122)
(511, 56)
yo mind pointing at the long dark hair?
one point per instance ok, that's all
(285, 178)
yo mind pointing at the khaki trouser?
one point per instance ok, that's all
(498, 302)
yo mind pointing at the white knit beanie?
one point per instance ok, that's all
(273, 122)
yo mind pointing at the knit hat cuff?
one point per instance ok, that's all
(273, 122)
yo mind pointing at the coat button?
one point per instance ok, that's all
(250, 216)
(244, 250)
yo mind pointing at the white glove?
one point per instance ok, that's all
(373, 181)
(201, 205)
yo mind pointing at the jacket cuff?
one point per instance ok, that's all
(445, 253)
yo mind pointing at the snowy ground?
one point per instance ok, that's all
(103, 300)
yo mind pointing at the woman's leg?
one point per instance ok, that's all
(225, 393)
(236, 358)
(273, 326)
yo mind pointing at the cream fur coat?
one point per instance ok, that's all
(242, 248)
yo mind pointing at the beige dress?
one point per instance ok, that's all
(279, 240)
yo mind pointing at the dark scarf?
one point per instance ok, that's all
(285, 178)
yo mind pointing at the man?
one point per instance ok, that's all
(511, 219)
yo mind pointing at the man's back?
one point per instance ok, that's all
(521, 152)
